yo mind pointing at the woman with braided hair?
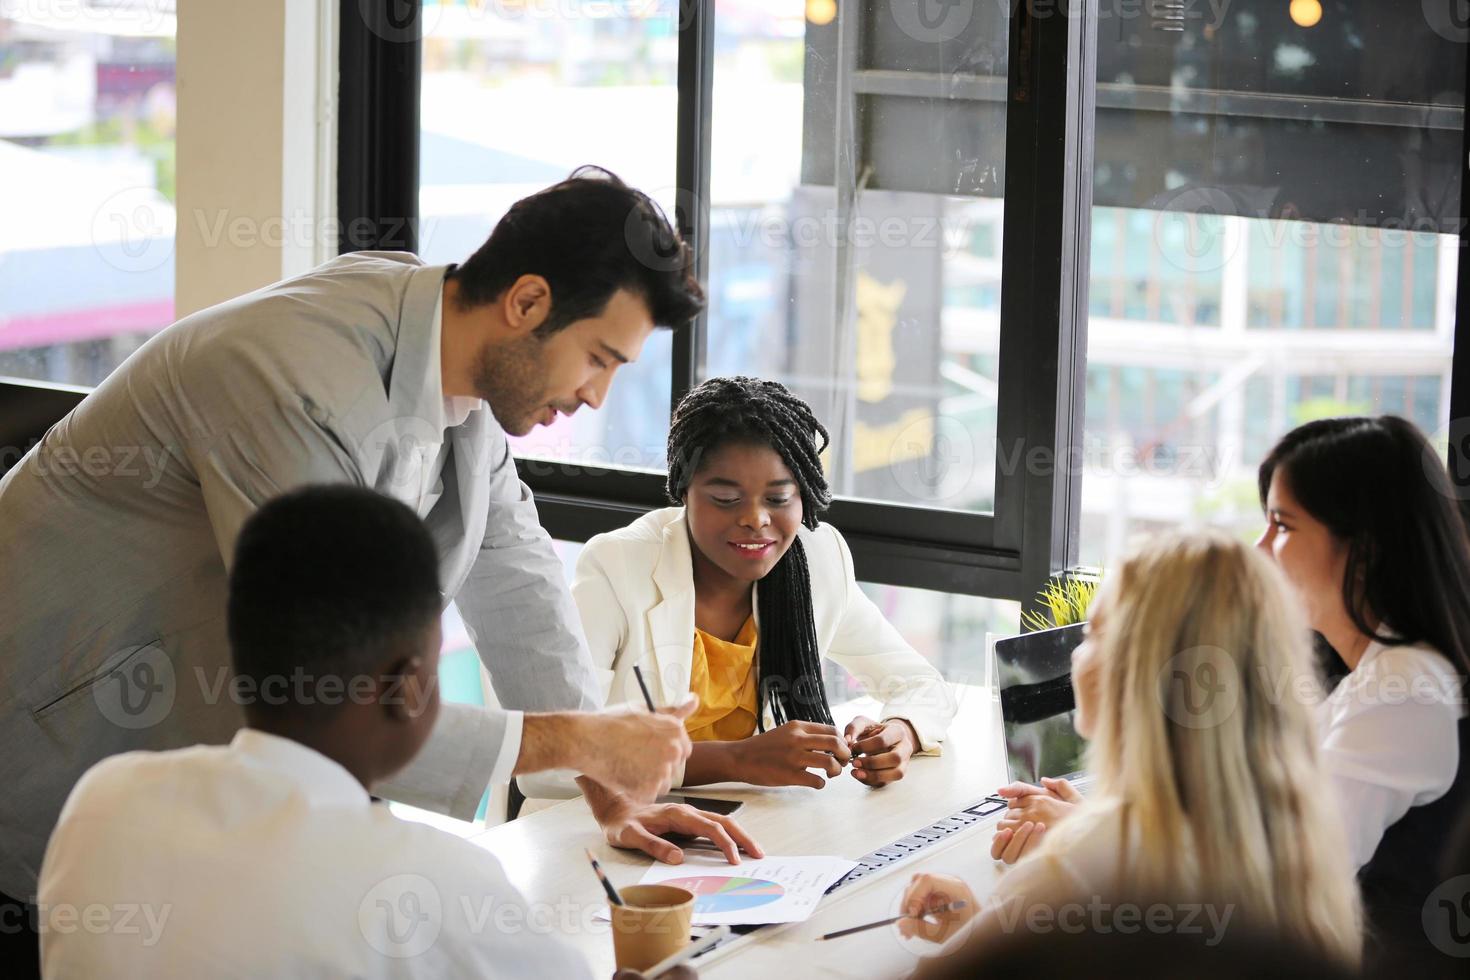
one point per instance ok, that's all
(737, 593)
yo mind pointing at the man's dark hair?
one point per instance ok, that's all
(329, 581)
(722, 411)
(588, 237)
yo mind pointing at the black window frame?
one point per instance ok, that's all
(1032, 533)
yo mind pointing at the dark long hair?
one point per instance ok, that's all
(1378, 485)
(748, 410)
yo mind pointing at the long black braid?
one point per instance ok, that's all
(730, 410)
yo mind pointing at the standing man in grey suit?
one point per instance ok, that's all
(116, 531)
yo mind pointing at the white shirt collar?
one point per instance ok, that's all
(320, 779)
(455, 409)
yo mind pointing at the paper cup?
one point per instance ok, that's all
(652, 925)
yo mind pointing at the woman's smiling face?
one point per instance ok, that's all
(744, 509)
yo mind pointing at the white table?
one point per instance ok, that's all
(542, 854)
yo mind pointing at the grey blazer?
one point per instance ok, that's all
(117, 529)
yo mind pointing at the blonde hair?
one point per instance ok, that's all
(1203, 741)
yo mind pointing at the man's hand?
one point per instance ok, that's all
(784, 756)
(881, 751)
(637, 754)
(639, 828)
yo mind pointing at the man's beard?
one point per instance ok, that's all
(512, 380)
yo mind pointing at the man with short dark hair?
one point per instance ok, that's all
(117, 530)
(267, 857)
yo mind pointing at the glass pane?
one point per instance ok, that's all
(515, 97)
(856, 223)
(947, 629)
(87, 121)
(1274, 239)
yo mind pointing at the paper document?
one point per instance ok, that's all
(754, 892)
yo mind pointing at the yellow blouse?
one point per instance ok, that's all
(723, 675)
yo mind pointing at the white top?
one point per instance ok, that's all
(634, 589)
(1390, 738)
(265, 858)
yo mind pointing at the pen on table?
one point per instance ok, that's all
(607, 886)
(648, 699)
(951, 907)
(701, 945)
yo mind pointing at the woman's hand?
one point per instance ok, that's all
(1029, 811)
(786, 755)
(929, 891)
(881, 751)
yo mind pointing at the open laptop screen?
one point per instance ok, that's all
(1034, 674)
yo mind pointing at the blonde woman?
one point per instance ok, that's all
(1207, 782)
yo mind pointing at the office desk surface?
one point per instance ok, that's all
(542, 854)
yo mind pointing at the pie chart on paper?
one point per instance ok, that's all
(714, 895)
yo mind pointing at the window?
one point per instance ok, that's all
(1223, 222)
(87, 122)
(838, 265)
(1264, 251)
(864, 276)
(515, 96)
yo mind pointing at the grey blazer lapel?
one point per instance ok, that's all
(465, 514)
(412, 433)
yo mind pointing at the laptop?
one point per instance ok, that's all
(1033, 673)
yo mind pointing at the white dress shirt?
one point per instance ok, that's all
(424, 492)
(265, 858)
(1390, 739)
(456, 412)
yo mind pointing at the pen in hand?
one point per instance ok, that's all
(936, 910)
(647, 698)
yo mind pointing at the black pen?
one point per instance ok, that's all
(643, 687)
(951, 907)
(607, 886)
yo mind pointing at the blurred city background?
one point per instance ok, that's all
(1273, 237)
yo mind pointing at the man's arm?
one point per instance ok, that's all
(516, 603)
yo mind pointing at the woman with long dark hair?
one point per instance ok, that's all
(738, 593)
(1363, 519)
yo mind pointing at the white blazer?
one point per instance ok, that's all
(635, 590)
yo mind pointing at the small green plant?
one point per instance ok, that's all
(1066, 602)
